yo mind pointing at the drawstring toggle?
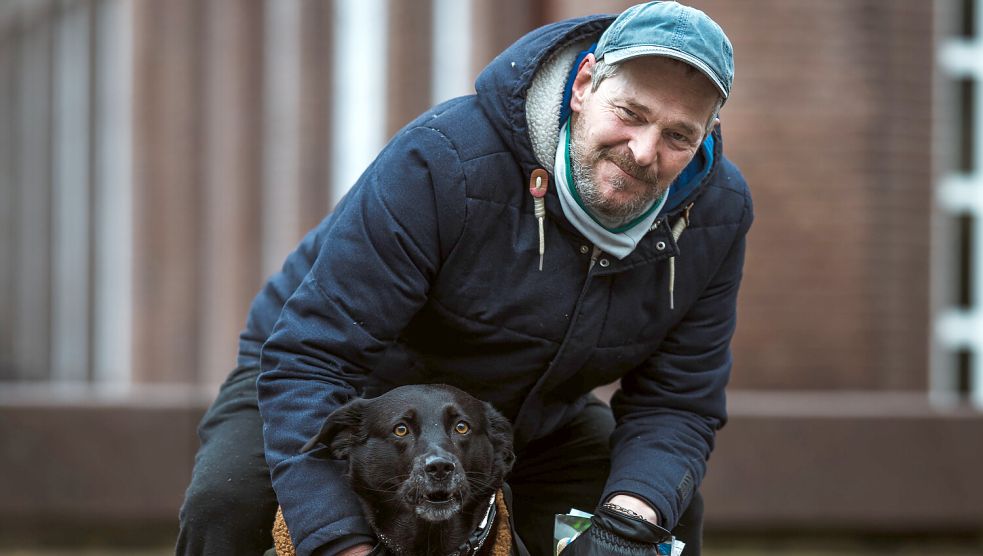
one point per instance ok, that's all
(538, 185)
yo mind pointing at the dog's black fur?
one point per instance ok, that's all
(424, 460)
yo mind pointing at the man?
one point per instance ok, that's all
(572, 224)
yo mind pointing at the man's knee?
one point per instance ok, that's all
(218, 497)
(226, 516)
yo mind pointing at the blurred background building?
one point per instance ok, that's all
(158, 159)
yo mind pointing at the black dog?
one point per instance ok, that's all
(426, 461)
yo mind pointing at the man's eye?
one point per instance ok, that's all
(628, 114)
(401, 430)
(678, 137)
(462, 428)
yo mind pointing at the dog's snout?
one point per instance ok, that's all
(438, 467)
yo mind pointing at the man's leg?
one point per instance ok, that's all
(230, 505)
(568, 469)
(690, 526)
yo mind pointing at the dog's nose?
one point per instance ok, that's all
(438, 467)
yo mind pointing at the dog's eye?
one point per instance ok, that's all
(401, 430)
(462, 428)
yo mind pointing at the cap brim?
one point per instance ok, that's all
(649, 50)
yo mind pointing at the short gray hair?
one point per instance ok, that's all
(602, 70)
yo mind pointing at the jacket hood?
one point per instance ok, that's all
(542, 58)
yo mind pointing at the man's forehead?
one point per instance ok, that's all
(643, 87)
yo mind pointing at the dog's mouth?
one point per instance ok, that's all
(439, 497)
(438, 505)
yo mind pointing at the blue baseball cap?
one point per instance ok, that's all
(670, 29)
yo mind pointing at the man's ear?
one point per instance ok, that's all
(581, 83)
(714, 122)
(339, 430)
(500, 433)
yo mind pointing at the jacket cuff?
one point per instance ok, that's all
(336, 537)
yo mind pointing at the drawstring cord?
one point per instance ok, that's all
(677, 230)
(541, 216)
(538, 185)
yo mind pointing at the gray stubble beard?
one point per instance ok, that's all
(590, 195)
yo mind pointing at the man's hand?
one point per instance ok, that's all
(620, 531)
(357, 550)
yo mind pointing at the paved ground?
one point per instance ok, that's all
(89, 552)
(715, 546)
(713, 549)
(799, 546)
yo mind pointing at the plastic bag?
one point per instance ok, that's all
(566, 528)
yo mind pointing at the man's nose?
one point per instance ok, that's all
(438, 467)
(644, 146)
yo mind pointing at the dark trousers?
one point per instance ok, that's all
(230, 504)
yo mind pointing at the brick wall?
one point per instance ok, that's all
(831, 123)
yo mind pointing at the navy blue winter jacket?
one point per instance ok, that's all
(427, 271)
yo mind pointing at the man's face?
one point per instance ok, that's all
(632, 136)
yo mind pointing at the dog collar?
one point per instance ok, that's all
(470, 546)
(481, 534)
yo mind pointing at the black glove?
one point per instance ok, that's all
(614, 532)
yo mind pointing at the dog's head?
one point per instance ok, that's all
(431, 450)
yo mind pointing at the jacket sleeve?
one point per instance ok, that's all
(266, 306)
(669, 409)
(379, 254)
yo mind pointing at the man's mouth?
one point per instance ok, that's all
(634, 176)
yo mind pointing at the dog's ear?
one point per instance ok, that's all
(339, 429)
(500, 433)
